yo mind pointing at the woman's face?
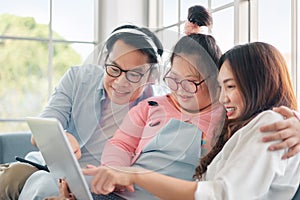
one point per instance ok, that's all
(126, 57)
(231, 96)
(183, 69)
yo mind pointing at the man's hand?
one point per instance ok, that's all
(287, 131)
(33, 142)
(75, 145)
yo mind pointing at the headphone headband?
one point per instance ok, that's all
(138, 32)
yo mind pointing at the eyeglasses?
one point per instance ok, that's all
(131, 75)
(188, 85)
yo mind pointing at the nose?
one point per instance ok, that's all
(180, 88)
(122, 80)
(223, 98)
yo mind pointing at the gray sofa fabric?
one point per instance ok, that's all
(14, 144)
(18, 144)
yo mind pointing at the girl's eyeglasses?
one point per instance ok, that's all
(188, 85)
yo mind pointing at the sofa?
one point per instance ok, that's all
(14, 144)
(18, 144)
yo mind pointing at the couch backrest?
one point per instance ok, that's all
(14, 144)
(297, 195)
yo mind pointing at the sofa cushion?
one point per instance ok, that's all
(14, 144)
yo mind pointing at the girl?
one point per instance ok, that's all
(172, 132)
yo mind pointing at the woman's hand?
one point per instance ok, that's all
(75, 145)
(287, 131)
(108, 179)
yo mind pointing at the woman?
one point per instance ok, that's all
(253, 79)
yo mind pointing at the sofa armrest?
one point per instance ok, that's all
(297, 195)
(14, 144)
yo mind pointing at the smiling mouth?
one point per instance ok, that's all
(231, 109)
(120, 91)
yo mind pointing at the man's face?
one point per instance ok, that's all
(119, 89)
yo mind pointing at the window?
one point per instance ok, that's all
(175, 15)
(240, 21)
(40, 40)
(275, 26)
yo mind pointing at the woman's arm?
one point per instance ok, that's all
(165, 187)
(287, 131)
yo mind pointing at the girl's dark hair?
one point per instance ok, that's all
(199, 15)
(263, 79)
(138, 41)
(207, 53)
(192, 43)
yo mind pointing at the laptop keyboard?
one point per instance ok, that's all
(111, 196)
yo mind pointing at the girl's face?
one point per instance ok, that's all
(125, 57)
(183, 69)
(231, 96)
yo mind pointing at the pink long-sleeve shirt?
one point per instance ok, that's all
(144, 121)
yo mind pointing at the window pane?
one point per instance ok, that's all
(7, 127)
(64, 56)
(73, 20)
(297, 74)
(218, 3)
(170, 12)
(224, 32)
(23, 78)
(168, 37)
(84, 50)
(24, 18)
(275, 28)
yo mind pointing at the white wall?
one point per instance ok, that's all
(113, 13)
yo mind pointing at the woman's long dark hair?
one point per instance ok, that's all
(262, 76)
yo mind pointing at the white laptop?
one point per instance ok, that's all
(60, 159)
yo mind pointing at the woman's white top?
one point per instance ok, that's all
(245, 169)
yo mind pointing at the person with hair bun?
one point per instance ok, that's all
(199, 20)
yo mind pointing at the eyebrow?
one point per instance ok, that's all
(228, 79)
(113, 62)
(139, 68)
(189, 76)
